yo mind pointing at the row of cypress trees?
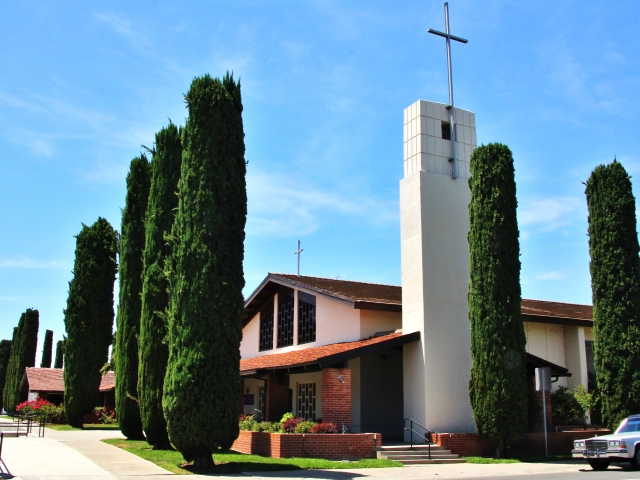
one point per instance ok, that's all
(24, 345)
(183, 235)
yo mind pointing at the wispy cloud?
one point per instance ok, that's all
(550, 214)
(281, 205)
(22, 262)
(122, 25)
(555, 275)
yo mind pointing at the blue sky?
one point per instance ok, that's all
(84, 84)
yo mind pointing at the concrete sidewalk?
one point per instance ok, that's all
(75, 455)
(80, 455)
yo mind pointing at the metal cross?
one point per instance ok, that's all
(452, 118)
(298, 252)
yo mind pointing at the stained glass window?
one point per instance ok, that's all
(266, 329)
(285, 318)
(306, 318)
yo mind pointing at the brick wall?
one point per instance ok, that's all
(329, 446)
(472, 445)
(336, 396)
(277, 401)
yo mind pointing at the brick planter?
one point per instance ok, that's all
(472, 445)
(332, 446)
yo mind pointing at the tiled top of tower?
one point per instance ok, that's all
(426, 147)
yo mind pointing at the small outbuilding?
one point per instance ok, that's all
(48, 384)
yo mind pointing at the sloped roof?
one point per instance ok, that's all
(325, 355)
(557, 309)
(375, 296)
(52, 380)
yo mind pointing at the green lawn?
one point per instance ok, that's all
(485, 460)
(228, 462)
(89, 426)
(528, 459)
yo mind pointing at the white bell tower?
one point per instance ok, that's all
(434, 221)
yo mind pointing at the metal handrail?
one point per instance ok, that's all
(412, 431)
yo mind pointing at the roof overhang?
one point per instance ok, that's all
(576, 322)
(336, 358)
(534, 362)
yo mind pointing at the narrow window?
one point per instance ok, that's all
(446, 131)
(266, 329)
(285, 318)
(306, 401)
(306, 318)
(261, 404)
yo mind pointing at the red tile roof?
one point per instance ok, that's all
(52, 380)
(315, 355)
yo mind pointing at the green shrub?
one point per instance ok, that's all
(565, 408)
(287, 416)
(304, 427)
(246, 423)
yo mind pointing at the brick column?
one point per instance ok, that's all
(336, 396)
(277, 397)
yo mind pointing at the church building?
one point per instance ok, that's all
(366, 356)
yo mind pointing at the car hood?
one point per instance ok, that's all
(616, 436)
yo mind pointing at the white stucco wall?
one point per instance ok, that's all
(372, 322)
(576, 356)
(250, 344)
(336, 321)
(434, 221)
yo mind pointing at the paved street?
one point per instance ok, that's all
(81, 455)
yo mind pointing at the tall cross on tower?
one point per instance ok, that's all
(452, 117)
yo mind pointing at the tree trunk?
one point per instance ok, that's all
(204, 461)
(162, 444)
(499, 449)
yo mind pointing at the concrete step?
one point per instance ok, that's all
(413, 452)
(433, 462)
(420, 447)
(401, 458)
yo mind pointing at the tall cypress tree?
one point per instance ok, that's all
(615, 288)
(88, 318)
(208, 249)
(498, 385)
(5, 353)
(153, 348)
(47, 349)
(23, 354)
(59, 361)
(130, 304)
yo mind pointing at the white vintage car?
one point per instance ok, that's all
(621, 446)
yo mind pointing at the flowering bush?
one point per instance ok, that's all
(103, 415)
(33, 405)
(327, 427)
(289, 426)
(53, 413)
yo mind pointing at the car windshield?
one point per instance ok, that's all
(629, 425)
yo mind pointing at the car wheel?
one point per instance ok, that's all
(635, 461)
(599, 464)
